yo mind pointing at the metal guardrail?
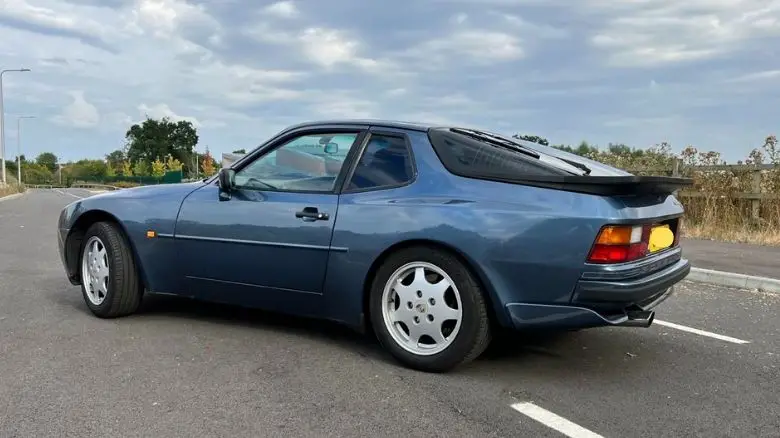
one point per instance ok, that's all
(94, 186)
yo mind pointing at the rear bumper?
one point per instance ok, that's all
(619, 295)
(526, 316)
(609, 295)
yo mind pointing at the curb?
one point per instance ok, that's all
(9, 197)
(731, 279)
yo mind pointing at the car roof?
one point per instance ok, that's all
(398, 124)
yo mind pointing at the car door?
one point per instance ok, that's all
(266, 244)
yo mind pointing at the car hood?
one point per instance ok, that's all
(159, 190)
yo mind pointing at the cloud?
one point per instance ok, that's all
(766, 75)
(636, 71)
(282, 9)
(488, 45)
(664, 32)
(79, 113)
(22, 14)
(162, 110)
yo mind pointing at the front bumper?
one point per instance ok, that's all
(65, 257)
(65, 247)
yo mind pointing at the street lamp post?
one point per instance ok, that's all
(19, 147)
(2, 117)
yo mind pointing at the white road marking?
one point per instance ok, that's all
(700, 332)
(68, 193)
(554, 421)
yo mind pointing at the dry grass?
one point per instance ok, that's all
(733, 234)
(718, 215)
(8, 190)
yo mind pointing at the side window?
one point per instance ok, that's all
(305, 163)
(386, 161)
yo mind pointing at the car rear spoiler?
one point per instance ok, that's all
(605, 185)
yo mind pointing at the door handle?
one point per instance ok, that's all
(311, 214)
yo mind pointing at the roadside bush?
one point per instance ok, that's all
(716, 211)
(125, 184)
(9, 189)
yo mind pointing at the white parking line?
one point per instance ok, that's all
(67, 193)
(700, 332)
(553, 421)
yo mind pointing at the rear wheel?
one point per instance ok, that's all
(428, 310)
(110, 283)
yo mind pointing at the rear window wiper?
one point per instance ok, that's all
(584, 168)
(498, 141)
(519, 147)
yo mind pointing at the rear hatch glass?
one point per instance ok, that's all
(484, 151)
(484, 155)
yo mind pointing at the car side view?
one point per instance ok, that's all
(430, 237)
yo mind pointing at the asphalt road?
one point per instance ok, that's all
(182, 368)
(763, 261)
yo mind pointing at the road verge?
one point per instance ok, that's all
(732, 279)
(9, 197)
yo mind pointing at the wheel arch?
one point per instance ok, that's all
(467, 261)
(76, 236)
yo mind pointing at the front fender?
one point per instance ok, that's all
(136, 211)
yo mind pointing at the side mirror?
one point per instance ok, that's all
(227, 179)
(332, 148)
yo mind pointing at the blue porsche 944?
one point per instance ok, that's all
(431, 238)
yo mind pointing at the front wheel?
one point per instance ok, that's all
(428, 310)
(109, 279)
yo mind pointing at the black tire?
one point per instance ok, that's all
(124, 289)
(474, 334)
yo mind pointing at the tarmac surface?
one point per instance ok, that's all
(184, 368)
(742, 258)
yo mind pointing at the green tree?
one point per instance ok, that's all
(89, 169)
(172, 163)
(159, 138)
(532, 138)
(239, 151)
(127, 168)
(116, 159)
(141, 168)
(110, 170)
(47, 160)
(158, 168)
(34, 173)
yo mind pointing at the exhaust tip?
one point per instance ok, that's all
(639, 318)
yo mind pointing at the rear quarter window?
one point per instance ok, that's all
(386, 162)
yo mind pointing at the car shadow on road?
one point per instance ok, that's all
(224, 314)
(510, 352)
(572, 356)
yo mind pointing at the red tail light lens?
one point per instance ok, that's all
(620, 244)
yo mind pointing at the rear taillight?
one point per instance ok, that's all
(620, 243)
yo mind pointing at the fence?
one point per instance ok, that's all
(755, 188)
(171, 177)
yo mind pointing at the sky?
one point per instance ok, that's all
(700, 72)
